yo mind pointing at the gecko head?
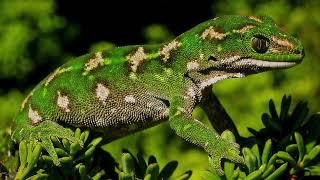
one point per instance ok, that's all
(245, 45)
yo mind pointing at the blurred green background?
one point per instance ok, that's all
(37, 36)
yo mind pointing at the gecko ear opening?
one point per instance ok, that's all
(212, 58)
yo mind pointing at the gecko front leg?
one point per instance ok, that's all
(194, 131)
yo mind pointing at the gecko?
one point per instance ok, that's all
(131, 88)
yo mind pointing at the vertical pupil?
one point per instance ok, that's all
(259, 43)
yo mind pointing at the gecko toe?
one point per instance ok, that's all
(48, 146)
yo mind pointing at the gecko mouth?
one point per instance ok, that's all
(261, 65)
(237, 67)
(247, 65)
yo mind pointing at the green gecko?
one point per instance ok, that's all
(131, 88)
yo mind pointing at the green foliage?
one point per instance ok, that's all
(26, 25)
(280, 126)
(87, 162)
(157, 33)
(138, 168)
(274, 152)
(279, 150)
(32, 36)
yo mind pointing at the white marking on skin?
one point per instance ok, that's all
(165, 52)
(213, 34)
(136, 58)
(168, 71)
(149, 104)
(63, 102)
(112, 110)
(255, 18)
(201, 55)
(282, 42)
(274, 50)
(192, 65)
(165, 112)
(94, 62)
(213, 80)
(34, 116)
(133, 75)
(206, 144)
(244, 29)
(55, 73)
(230, 59)
(130, 99)
(264, 64)
(24, 102)
(102, 93)
(192, 93)
(179, 111)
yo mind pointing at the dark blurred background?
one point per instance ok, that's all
(37, 36)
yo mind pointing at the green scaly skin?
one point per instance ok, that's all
(128, 89)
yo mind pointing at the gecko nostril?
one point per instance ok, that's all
(299, 52)
(296, 51)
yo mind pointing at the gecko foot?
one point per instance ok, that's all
(43, 133)
(225, 150)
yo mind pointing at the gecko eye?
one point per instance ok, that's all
(260, 44)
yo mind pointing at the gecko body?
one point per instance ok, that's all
(131, 88)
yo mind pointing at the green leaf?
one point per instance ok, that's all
(66, 160)
(271, 123)
(255, 151)
(229, 170)
(278, 172)
(292, 148)
(168, 170)
(127, 163)
(272, 110)
(268, 171)
(250, 159)
(236, 174)
(311, 155)
(89, 152)
(23, 151)
(153, 170)
(285, 105)
(35, 155)
(266, 151)
(152, 160)
(141, 162)
(61, 152)
(272, 160)
(299, 114)
(229, 136)
(77, 133)
(74, 148)
(254, 175)
(95, 141)
(286, 157)
(125, 176)
(300, 144)
(203, 175)
(84, 136)
(66, 143)
(98, 175)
